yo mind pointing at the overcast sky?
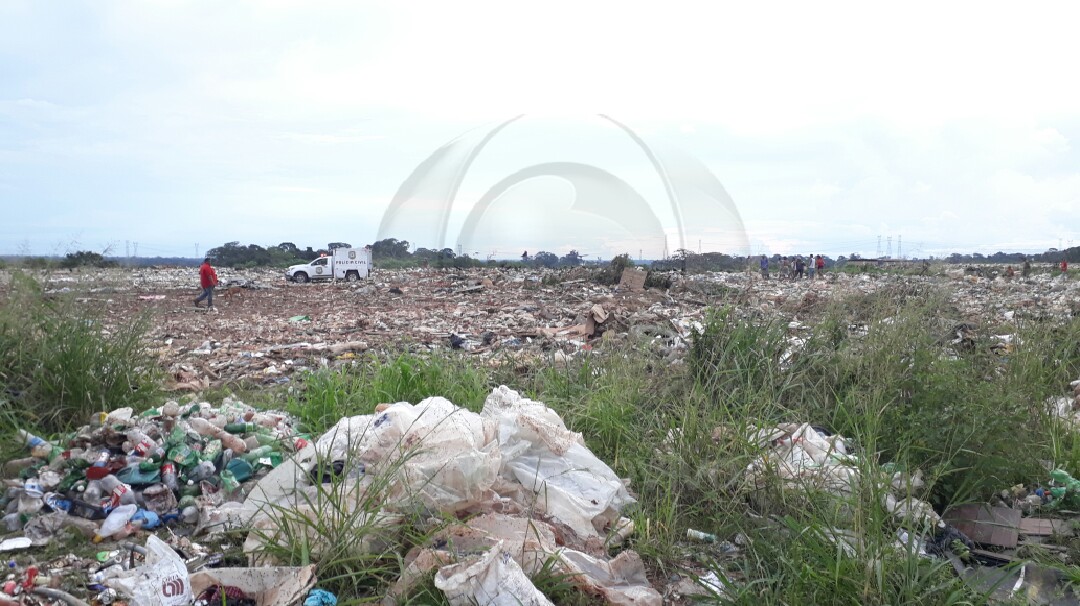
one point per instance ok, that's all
(184, 125)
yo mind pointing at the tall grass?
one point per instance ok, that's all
(329, 395)
(59, 364)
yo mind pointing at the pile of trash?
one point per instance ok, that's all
(522, 491)
(524, 488)
(123, 474)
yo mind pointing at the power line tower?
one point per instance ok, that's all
(899, 247)
(888, 248)
(878, 253)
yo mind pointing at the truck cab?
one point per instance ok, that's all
(349, 264)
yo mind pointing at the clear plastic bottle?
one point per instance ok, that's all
(169, 478)
(38, 447)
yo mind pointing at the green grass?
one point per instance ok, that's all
(58, 364)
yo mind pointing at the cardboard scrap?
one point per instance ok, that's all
(988, 525)
(632, 279)
(1043, 527)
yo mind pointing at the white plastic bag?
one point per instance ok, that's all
(493, 579)
(568, 482)
(450, 455)
(161, 581)
(118, 518)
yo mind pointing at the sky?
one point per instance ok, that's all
(180, 126)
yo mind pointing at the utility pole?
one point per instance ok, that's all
(899, 247)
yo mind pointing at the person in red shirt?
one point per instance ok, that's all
(1064, 266)
(819, 264)
(208, 280)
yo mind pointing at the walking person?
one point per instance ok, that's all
(820, 264)
(764, 267)
(810, 266)
(208, 280)
(800, 266)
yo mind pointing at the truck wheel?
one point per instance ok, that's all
(352, 276)
(301, 277)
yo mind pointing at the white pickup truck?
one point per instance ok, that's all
(350, 264)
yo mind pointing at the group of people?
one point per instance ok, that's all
(795, 268)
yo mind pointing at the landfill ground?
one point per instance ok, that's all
(905, 434)
(266, 329)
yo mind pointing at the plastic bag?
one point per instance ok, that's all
(117, 519)
(622, 581)
(569, 482)
(493, 579)
(449, 456)
(161, 581)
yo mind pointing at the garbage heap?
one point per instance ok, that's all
(521, 492)
(125, 473)
(524, 489)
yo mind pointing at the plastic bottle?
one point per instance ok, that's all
(698, 535)
(267, 439)
(233, 443)
(228, 482)
(203, 427)
(238, 428)
(168, 477)
(258, 453)
(116, 521)
(93, 491)
(38, 447)
(118, 493)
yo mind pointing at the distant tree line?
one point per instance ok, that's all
(1052, 255)
(391, 252)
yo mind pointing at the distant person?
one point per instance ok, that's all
(208, 280)
(810, 266)
(1009, 272)
(1026, 271)
(1064, 266)
(800, 267)
(820, 264)
(764, 267)
(525, 257)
